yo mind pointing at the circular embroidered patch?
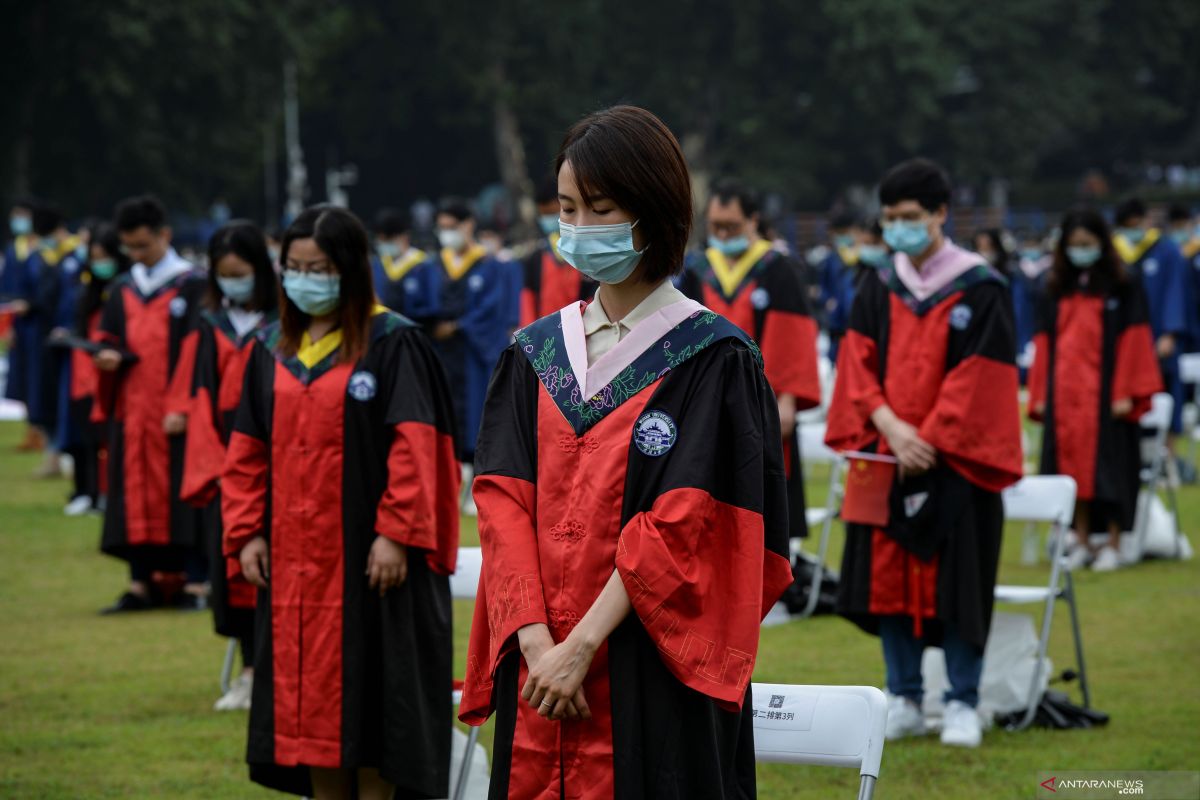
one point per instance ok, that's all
(1150, 265)
(475, 283)
(412, 285)
(760, 299)
(654, 433)
(362, 386)
(960, 317)
(177, 307)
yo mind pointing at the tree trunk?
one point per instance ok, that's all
(510, 153)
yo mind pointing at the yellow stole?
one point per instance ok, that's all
(455, 267)
(730, 276)
(1130, 253)
(311, 353)
(397, 268)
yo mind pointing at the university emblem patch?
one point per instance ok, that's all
(960, 317)
(177, 307)
(362, 386)
(654, 433)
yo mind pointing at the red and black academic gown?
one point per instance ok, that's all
(145, 465)
(551, 283)
(212, 392)
(945, 365)
(323, 458)
(1093, 350)
(768, 302)
(666, 468)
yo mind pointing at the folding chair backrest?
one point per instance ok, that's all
(464, 583)
(834, 726)
(812, 444)
(1189, 368)
(1158, 418)
(1041, 498)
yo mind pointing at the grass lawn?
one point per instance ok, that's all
(95, 707)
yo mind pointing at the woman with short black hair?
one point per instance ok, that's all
(632, 507)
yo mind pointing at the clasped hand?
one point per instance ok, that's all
(556, 672)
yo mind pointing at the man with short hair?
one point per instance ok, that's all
(16, 284)
(149, 311)
(398, 283)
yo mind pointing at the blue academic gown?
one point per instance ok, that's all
(1165, 276)
(16, 282)
(1025, 292)
(405, 287)
(67, 432)
(484, 302)
(837, 282)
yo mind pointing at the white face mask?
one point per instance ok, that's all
(451, 238)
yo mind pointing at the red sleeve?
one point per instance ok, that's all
(789, 348)
(244, 482)
(1038, 376)
(700, 580)
(179, 390)
(1136, 375)
(510, 586)
(528, 307)
(976, 423)
(203, 453)
(419, 507)
(856, 394)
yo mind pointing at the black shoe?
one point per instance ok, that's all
(186, 601)
(128, 602)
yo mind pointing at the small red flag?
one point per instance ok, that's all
(868, 484)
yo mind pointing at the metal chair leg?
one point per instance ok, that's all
(460, 786)
(227, 666)
(831, 510)
(1069, 596)
(866, 788)
(1056, 571)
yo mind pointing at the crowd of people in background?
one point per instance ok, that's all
(187, 393)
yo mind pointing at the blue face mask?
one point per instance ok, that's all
(1029, 254)
(315, 295)
(104, 268)
(20, 226)
(548, 223)
(1083, 257)
(910, 238)
(81, 251)
(604, 253)
(843, 240)
(239, 290)
(730, 247)
(388, 249)
(1132, 235)
(873, 255)
(1180, 236)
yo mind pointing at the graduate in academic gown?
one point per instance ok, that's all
(1092, 379)
(149, 312)
(1158, 261)
(475, 314)
(549, 281)
(400, 285)
(339, 495)
(16, 286)
(242, 299)
(631, 507)
(926, 374)
(758, 289)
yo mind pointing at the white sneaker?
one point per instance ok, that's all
(904, 718)
(961, 726)
(238, 696)
(1107, 560)
(79, 506)
(1076, 555)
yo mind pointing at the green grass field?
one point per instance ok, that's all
(95, 707)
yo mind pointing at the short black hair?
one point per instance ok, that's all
(916, 179)
(456, 207)
(1178, 212)
(726, 190)
(142, 211)
(243, 239)
(1129, 209)
(547, 191)
(24, 203)
(391, 222)
(47, 218)
(843, 220)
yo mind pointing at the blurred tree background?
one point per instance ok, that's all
(431, 97)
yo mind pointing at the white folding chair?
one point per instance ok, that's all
(227, 666)
(814, 451)
(1189, 373)
(832, 726)
(464, 585)
(1159, 472)
(1049, 499)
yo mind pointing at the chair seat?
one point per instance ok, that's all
(1024, 594)
(816, 516)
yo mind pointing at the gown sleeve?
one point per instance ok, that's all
(245, 478)
(789, 338)
(419, 506)
(1136, 375)
(1039, 373)
(111, 332)
(179, 389)
(203, 452)
(510, 586)
(975, 423)
(707, 560)
(857, 392)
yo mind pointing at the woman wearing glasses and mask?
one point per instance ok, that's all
(632, 506)
(339, 498)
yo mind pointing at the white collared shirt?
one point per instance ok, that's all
(602, 334)
(150, 279)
